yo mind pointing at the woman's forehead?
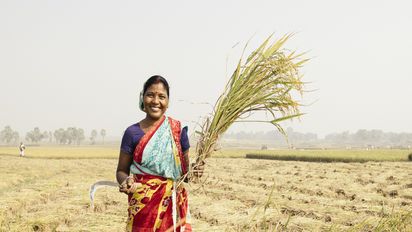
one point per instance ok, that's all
(157, 87)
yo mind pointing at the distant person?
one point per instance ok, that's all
(22, 148)
(154, 155)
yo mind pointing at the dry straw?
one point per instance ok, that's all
(265, 81)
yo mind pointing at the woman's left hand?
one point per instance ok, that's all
(198, 169)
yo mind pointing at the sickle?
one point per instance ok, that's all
(97, 185)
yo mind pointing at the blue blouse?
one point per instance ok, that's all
(134, 133)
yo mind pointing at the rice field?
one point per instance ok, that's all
(355, 155)
(111, 152)
(48, 191)
(65, 152)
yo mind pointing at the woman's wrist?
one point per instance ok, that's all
(125, 179)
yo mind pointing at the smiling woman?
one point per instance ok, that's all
(154, 99)
(154, 155)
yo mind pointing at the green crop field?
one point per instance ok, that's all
(333, 155)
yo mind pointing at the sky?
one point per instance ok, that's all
(83, 63)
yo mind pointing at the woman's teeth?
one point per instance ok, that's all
(155, 108)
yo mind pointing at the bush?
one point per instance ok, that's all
(410, 156)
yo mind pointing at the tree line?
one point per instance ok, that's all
(68, 136)
(360, 138)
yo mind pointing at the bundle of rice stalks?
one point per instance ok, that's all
(266, 81)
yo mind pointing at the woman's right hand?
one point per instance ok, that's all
(129, 186)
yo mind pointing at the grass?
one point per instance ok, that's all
(64, 152)
(318, 155)
(52, 194)
(43, 194)
(338, 157)
(397, 221)
(111, 152)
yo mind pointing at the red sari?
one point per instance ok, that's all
(151, 207)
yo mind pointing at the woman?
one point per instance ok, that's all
(154, 156)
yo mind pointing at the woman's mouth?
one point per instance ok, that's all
(155, 108)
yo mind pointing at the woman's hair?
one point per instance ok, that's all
(154, 80)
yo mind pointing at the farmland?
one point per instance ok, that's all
(48, 191)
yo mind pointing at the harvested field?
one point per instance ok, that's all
(316, 196)
(52, 194)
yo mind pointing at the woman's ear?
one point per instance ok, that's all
(141, 104)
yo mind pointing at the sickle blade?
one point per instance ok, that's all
(97, 185)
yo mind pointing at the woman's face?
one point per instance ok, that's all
(155, 101)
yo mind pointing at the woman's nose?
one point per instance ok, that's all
(156, 100)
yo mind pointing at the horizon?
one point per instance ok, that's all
(115, 138)
(83, 64)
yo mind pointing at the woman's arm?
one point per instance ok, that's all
(127, 184)
(186, 159)
(197, 170)
(123, 167)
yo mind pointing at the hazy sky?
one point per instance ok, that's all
(82, 63)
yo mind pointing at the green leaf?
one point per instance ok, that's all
(275, 121)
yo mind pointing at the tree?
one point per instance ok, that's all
(16, 136)
(361, 136)
(79, 136)
(7, 135)
(93, 136)
(50, 137)
(45, 135)
(103, 134)
(59, 136)
(36, 135)
(71, 135)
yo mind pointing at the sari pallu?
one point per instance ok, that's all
(158, 162)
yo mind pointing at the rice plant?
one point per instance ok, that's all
(266, 81)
